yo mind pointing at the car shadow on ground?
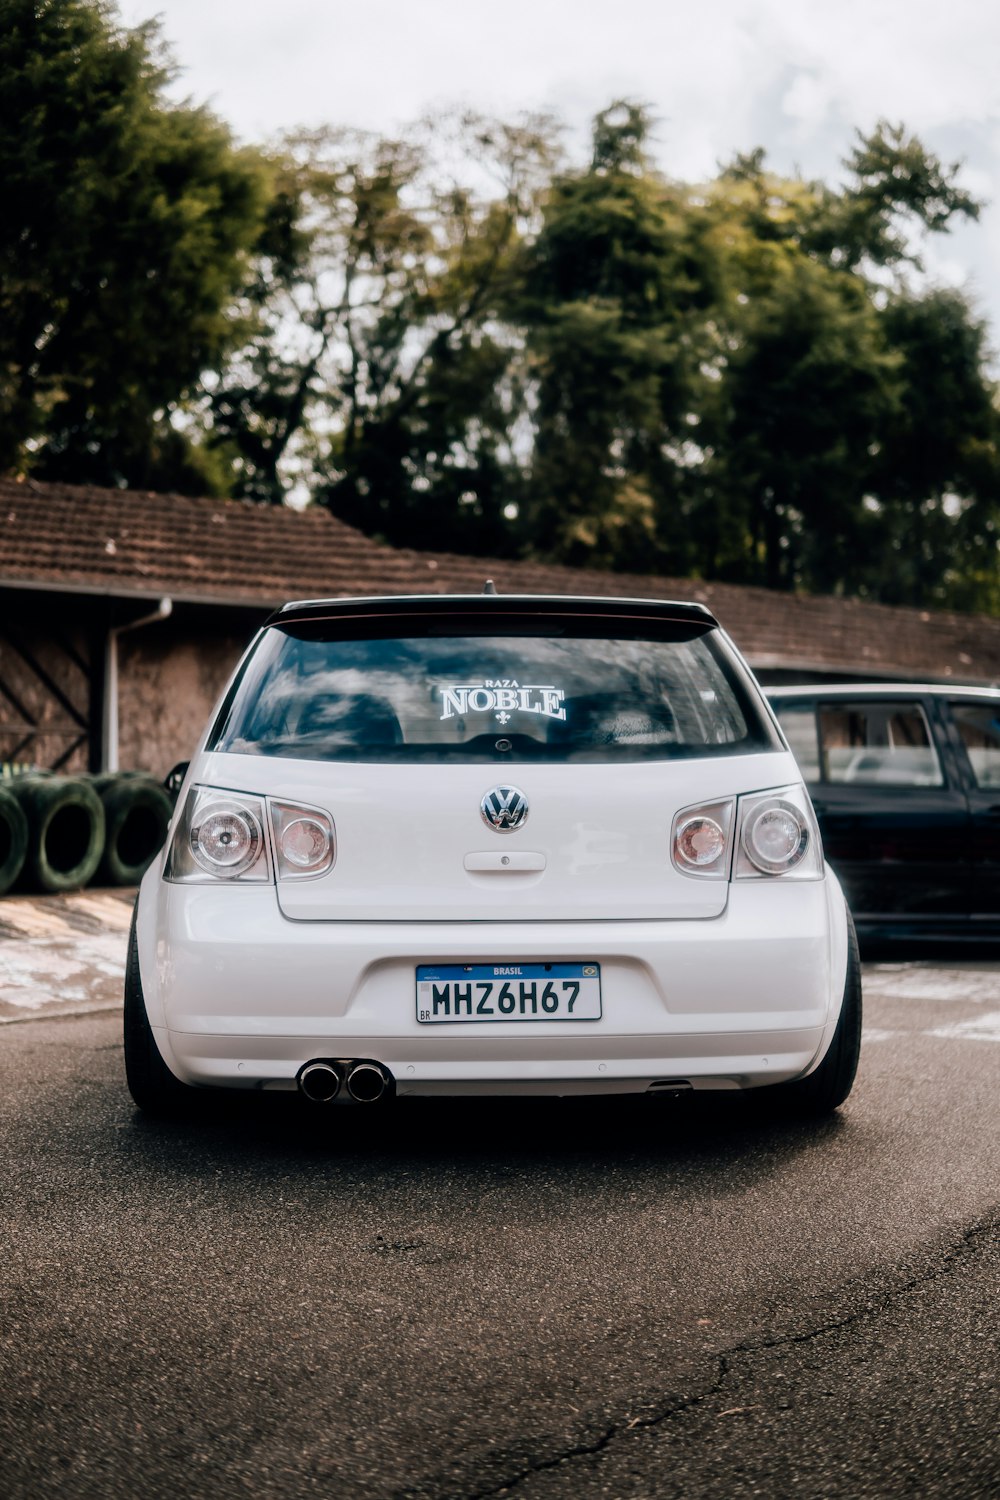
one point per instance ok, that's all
(481, 1138)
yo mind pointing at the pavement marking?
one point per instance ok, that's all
(34, 920)
(62, 955)
(919, 982)
(108, 910)
(60, 977)
(979, 1029)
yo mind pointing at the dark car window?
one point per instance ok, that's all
(798, 720)
(880, 744)
(979, 726)
(310, 693)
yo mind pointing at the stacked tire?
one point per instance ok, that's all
(13, 838)
(137, 811)
(58, 833)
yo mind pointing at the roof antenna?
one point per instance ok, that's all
(489, 587)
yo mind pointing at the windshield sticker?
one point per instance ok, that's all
(502, 697)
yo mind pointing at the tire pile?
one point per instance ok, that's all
(58, 833)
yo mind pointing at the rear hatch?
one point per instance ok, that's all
(412, 843)
(498, 764)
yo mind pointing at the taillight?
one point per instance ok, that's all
(226, 840)
(775, 835)
(219, 834)
(778, 836)
(222, 834)
(304, 840)
(700, 840)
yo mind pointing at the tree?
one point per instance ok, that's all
(614, 296)
(807, 386)
(379, 369)
(126, 230)
(933, 507)
(831, 369)
(600, 366)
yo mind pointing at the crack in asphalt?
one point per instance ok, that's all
(945, 1261)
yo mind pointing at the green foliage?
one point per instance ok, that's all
(125, 232)
(806, 387)
(894, 183)
(735, 381)
(459, 346)
(612, 292)
(851, 443)
(936, 517)
(380, 367)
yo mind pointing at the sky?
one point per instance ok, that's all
(720, 76)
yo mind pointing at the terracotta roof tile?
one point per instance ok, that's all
(124, 542)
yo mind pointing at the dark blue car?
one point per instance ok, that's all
(905, 781)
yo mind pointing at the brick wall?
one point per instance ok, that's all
(168, 684)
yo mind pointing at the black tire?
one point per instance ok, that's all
(13, 839)
(826, 1088)
(65, 831)
(150, 1082)
(136, 813)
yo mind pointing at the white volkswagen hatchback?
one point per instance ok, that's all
(492, 845)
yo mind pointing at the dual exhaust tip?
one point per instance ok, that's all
(364, 1081)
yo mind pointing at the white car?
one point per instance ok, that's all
(492, 845)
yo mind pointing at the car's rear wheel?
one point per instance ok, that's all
(829, 1085)
(150, 1082)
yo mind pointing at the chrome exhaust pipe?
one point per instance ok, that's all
(366, 1082)
(320, 1082)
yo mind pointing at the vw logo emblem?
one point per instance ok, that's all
(504, 808)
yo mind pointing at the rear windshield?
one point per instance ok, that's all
(311, 693)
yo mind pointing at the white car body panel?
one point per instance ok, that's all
(404, 834)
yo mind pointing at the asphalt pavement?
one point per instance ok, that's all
(623, 1298)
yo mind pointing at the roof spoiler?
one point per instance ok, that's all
(675, 611)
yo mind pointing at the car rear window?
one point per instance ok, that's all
(316, 690)
(979, 726)
(865, 743)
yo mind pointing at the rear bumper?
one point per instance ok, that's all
(239, 996)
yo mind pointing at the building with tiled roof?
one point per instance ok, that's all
(81, 568)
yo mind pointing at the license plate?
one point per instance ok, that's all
(508, 992)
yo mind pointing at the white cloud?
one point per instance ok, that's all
(809, 102)
(919, 60)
